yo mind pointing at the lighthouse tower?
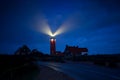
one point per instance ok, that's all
(52, 46)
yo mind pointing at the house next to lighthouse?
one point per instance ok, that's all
(75, 51)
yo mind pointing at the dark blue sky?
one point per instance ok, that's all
(95, 24)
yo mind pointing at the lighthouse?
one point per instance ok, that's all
(52, 46)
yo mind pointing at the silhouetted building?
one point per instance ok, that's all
(59, 53)
(24, 50)
(36, 53)
(75, 51)
(52, 46)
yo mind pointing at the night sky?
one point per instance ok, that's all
(94, 24)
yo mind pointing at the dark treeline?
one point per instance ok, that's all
(104, 57)
(110, 60)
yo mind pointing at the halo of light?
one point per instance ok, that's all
(42, 26)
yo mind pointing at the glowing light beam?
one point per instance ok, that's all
(42, 26)
(69, 24)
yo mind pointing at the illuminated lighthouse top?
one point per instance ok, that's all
(52, 39)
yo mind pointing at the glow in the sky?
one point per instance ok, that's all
(68, 24)
(42, 26)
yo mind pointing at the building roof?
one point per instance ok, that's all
(75, 49)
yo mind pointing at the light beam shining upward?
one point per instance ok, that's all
(42, 26)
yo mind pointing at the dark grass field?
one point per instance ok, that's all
(17, 68)
(22, 68)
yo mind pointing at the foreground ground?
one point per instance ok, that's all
(33, 72)
(47, 73)
(13, 67)
(85, 71)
